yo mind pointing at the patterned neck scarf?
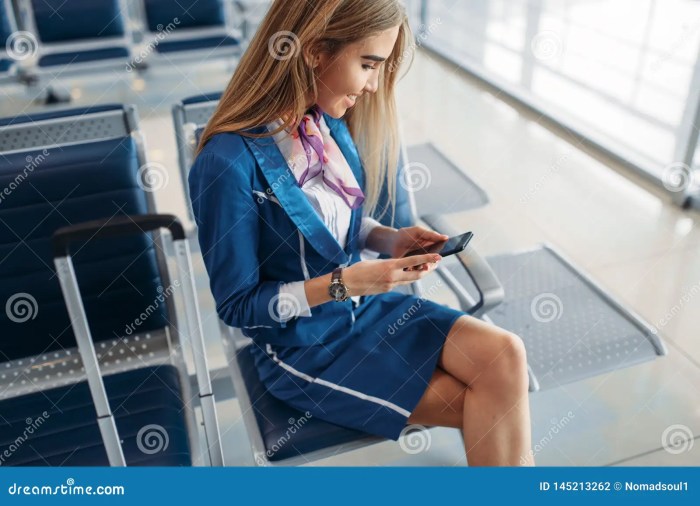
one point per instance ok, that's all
(310, 142)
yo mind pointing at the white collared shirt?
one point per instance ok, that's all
(335, 214)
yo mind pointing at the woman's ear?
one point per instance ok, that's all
(311, 57)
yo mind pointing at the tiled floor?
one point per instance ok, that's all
(617, 228)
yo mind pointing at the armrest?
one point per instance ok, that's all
(490, 290)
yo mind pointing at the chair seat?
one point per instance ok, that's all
(220, 42)
(147, 405)
(287, 432)
(110, 53)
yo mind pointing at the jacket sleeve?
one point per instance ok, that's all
(226, 214)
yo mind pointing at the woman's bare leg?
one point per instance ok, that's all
(481, 387)
(492, 363)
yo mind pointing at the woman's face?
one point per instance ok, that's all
(346, 76)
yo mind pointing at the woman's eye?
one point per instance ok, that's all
(367, 67)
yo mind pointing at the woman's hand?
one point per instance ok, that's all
(409, 238)
(378, 276)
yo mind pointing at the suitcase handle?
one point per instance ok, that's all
(113, 227)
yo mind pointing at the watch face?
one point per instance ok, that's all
(338, 291)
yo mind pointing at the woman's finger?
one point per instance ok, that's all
(431, 235)
(414, 260)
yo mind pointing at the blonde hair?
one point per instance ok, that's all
(273, 80)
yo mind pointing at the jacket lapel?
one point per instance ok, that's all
(295, 202)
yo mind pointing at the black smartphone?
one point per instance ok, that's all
(444, 248)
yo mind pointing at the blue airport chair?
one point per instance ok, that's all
(190, 30)
(8, 30)
(189, 118)
(76, 37)
(266, 418)
(58, 170)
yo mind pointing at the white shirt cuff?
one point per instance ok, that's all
(292, 301)
(367, 225)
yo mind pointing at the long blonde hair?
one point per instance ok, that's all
(273, 80)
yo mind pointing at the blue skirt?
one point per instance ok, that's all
(372, 379)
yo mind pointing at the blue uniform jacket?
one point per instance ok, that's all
(257, 230)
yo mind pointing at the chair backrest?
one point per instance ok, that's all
(7, 28)
(190, 116)
(404, 214)
(66, 167)
(61, 21)
(189, 13)
(7, 24)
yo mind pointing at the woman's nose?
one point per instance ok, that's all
(373, 83)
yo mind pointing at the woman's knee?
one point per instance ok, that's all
(476, 349)
(509, 367)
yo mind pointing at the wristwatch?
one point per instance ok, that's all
(337, 289)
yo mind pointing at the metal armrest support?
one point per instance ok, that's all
(114, 227)
(491, 292)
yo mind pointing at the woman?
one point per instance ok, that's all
(289, 171)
